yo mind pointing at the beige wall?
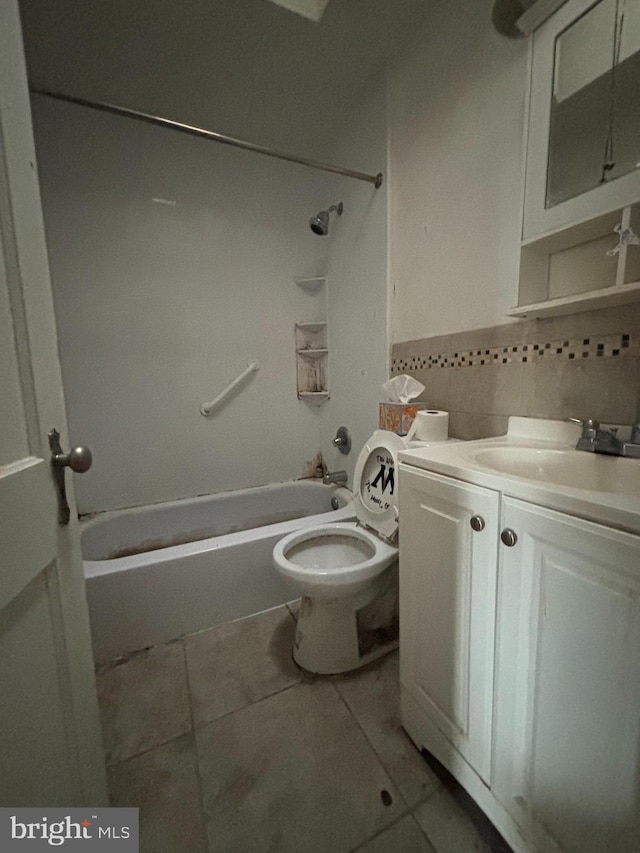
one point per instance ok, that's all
(456, 119)
(457, 107)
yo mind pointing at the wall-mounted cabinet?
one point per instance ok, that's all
(312, 352)
(583, 161)
(583, 151)
(575, 269)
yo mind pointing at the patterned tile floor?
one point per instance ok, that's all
(225, 746)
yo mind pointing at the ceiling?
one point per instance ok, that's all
(247, 68)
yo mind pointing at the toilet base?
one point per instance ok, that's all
(338, 635)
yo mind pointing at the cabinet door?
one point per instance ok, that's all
(568, 682)
(447, 607)
(571, 77)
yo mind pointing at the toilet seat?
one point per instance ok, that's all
(375, 485)
(330, 556)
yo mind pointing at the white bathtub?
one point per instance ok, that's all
(176, 586)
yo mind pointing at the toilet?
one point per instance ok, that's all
(348, 572)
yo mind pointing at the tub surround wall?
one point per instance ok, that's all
(585, 365)
(173, 259)
(173, 264)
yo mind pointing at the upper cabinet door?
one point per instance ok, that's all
(583, 151)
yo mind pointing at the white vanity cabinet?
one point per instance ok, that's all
(567, 709)
(520, 661)
(447, 602)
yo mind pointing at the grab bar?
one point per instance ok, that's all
(207, 408)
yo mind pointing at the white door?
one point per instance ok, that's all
(568, 682)
(50, 744)
(448, 551)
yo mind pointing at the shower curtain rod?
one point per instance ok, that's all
(376, 180)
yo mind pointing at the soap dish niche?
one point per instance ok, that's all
(312, 355)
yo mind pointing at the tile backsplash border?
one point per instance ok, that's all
(581, 365)
(626, 343)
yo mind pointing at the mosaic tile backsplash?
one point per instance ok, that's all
(583, 365)
(602, 346)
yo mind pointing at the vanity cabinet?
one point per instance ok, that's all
(520, 661)
(447, 602)
(567, 711)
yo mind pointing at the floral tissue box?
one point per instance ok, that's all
(398, 417)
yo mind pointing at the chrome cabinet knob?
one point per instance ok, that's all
(509, 537)
(477, 523)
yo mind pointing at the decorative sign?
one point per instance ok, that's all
(378, 485)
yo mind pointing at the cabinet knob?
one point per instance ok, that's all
(508, 537)
(477, 523)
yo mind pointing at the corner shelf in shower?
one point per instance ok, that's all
(311, 285)
(312, 355)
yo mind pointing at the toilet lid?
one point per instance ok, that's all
(376, 482)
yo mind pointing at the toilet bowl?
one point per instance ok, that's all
(347, 572)
(333, 560)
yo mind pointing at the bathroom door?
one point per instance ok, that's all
(50, 744)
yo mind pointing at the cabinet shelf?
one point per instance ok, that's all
(571, 270)
(606, 297)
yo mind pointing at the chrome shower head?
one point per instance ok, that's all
(320, 224)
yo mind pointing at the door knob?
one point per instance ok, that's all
(79, 459)
(477, 523)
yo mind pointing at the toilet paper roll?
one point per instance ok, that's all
(429, 425)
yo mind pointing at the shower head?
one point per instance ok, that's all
(320, 224)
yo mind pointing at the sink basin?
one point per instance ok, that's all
(572, 468)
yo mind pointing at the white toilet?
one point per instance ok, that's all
(348, 572)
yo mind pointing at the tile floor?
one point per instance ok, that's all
(226, 747)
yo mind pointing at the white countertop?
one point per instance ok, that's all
(456, 459)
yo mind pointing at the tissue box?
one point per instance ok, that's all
(398, 417)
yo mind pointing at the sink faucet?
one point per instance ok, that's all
(631, 447)
(594, 439)
(330, 477)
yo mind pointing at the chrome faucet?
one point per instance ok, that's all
(339, 477)
(631, 447)
(595, 439)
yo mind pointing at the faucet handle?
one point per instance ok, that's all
(589, 423)
(590, 426)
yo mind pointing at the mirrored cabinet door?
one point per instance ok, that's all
(583, 151)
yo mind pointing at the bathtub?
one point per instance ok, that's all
(158, 572)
